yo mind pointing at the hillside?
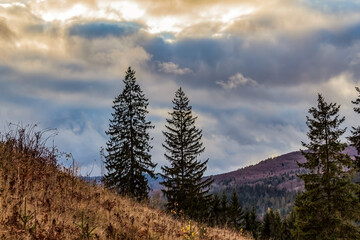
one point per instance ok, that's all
(255, 174)
(281, 166)
(272, 183)
(284, 166)
(41, 200)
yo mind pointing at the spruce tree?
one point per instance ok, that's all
(185, 188)
(224, 209)
(328, 208)
(277, 226)
(236, 214)
(355, 140)
(247, 220)
(253, 224)
(286, 230)
(291, 219)
(355, 133)
(266, 226)
(272, 226)
(215, 210)
(128, 160)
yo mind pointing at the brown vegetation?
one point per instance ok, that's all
(41, 200)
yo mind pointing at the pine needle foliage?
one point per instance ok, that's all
(355, 133)
(236, 213)
(329, 208)
(224, 209)
(128, 160)
(215, 210)
(266, 232)
(185, 188)
(251, 223)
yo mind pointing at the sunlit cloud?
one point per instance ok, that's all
(225, 15)
(129, 10)
(170, 67)
(74, 11)
(12, 4)
(237, 80)
(109, 10)
(165, 24)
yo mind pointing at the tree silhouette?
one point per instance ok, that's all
(328, 209)
(355, 133)
(236, 213)
(128, 160)
(185, 187)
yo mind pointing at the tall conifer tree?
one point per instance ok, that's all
(185, 188)
(215, 210)
(355, 133)
(224, 209)
(328, 209)
(128, 160)
(236, 213)
(267, 225)
(251, 224)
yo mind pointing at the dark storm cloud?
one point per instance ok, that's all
(103, 29)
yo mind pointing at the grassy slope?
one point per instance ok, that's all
(56, 201)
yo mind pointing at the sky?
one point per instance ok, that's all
(251, 70)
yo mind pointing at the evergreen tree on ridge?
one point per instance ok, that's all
(328, 208)
(185, 188)
(128, 160)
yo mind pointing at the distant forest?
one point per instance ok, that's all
(265, 195)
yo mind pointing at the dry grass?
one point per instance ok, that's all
(56, 200)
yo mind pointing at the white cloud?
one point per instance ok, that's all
(236, 80)
(14, 4)
(170, 67)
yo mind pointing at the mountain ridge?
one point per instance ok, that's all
(285, 164)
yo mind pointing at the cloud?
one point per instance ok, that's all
(110, 55)
(86, 153)
(5, 32)
(62, 63)
(170, 67)
(237, 80)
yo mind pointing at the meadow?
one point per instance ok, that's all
(39, 199)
